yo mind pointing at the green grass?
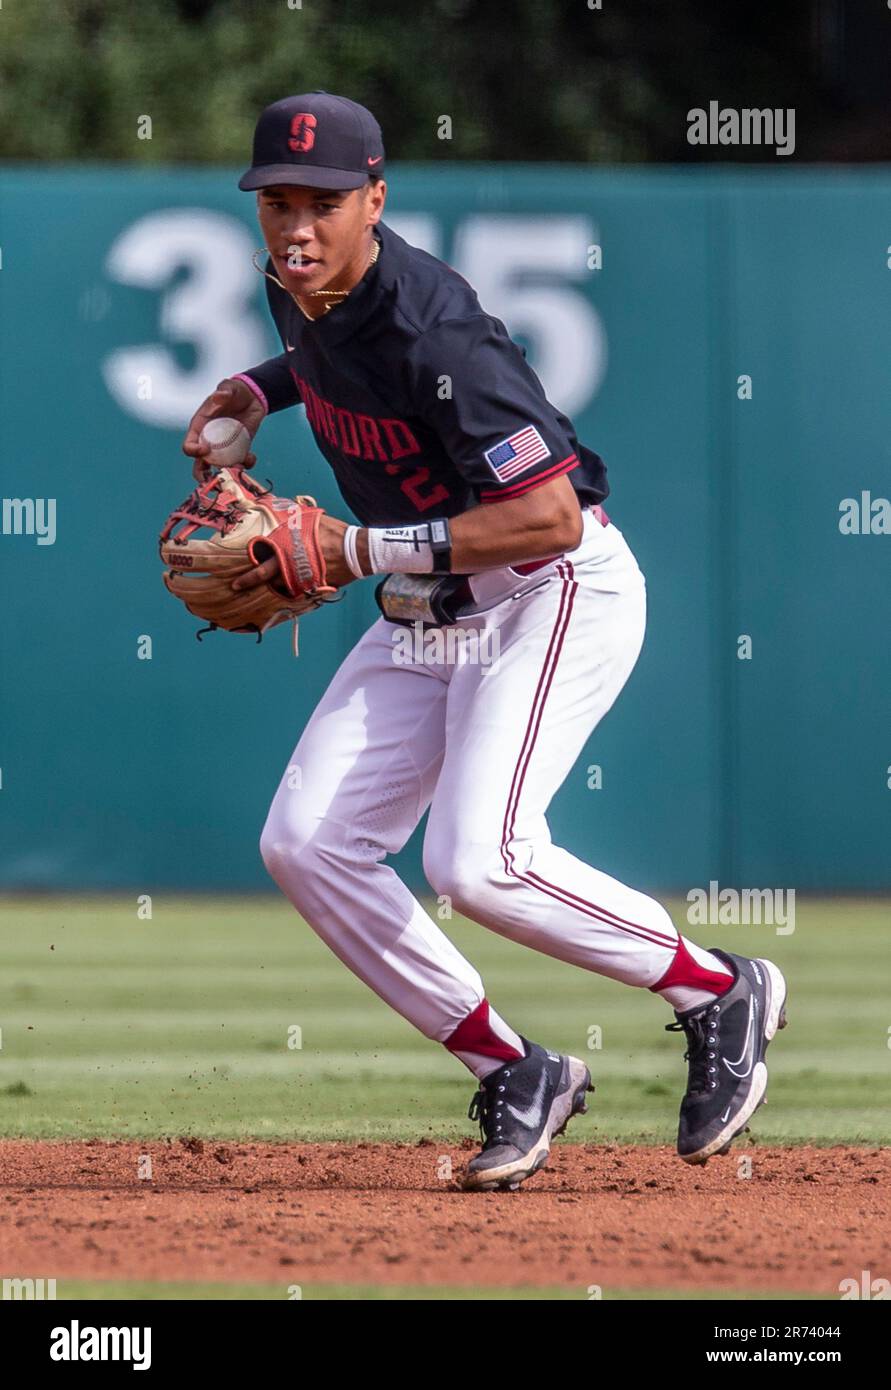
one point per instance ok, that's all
(79, 1289)
(112, 1026)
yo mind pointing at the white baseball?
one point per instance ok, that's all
(229, 443)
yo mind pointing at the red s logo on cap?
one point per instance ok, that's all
(303, 132)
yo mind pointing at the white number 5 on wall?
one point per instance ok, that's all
(523, 269)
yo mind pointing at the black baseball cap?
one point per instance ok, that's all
(318, 140)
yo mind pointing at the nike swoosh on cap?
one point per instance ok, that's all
(376, 160)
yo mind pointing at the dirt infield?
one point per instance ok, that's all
(611, 1215)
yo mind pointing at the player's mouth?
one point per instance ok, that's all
(300, 271)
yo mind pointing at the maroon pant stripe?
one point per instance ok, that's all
(506, 829)
(549, 667)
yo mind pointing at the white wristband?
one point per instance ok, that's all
(399, 550)
(349, 551)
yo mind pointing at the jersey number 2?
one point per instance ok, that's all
(411, 487)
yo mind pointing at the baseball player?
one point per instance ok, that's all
(475, 499)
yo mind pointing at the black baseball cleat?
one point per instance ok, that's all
(520, 1108)
(726, 1043)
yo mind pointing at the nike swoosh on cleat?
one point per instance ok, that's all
(732, 1067)
(531, 1115)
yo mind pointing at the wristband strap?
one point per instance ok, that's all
(441, 545)
(423, 549)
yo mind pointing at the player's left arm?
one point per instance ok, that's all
(472, 384)
(546, 521)
(541, 523)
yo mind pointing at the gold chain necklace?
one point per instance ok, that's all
(336, 296)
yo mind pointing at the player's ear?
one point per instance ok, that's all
(375, 196)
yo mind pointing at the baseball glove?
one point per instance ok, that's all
(229, 523)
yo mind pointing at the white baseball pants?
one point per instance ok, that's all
(485, 743)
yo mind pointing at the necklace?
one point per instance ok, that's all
(335, 296)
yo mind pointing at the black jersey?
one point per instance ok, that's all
(418, 399)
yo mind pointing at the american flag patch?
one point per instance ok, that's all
(517, 453)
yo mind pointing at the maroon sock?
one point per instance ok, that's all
(477, 1038)
(684, 970)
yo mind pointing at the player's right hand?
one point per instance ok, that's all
(233, 400)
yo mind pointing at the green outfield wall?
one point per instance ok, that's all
(727, 351)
